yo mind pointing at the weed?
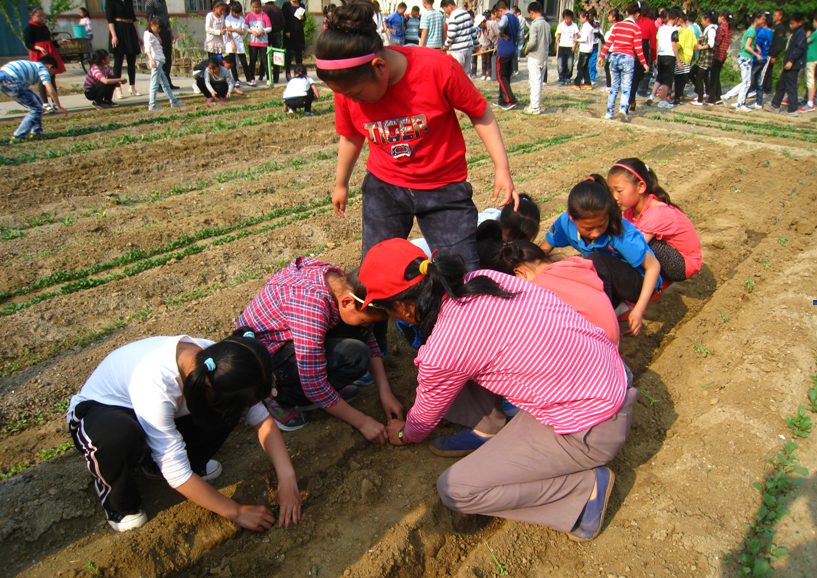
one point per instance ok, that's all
(812, 393)
(502, 569)
(101, 214)
(699, 348)
(724, 318)
(53, 452)
(783, 241)
(653, 401)
(799, 423)
(750, 285)
(788, 155)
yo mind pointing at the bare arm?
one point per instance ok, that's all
(348, 151)
(114, 39)
(652, 269)
(198, 491)
(372, 430)
(289, 499)
(423, 37)
(49, 90)
(391, 406)
(545, 246)
(488, 130)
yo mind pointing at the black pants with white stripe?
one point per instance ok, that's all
(113, 443)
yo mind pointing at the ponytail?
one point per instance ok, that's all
(230, 376)
(509, 255)
(635, 170)
(97, 56)
(444, 278)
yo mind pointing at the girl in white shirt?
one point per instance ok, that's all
(179, 398)
(234, 42)
(156, 56)
(587, 39)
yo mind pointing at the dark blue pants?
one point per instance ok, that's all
(564, 63)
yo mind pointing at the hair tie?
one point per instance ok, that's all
(424, 267)
(648, 167)
(591, 178)
(625, 167)
(248, 334)
(343, 63)
(210, 364)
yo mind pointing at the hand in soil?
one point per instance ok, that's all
(289, 500)
(391, 405)
(256, 518)
(634, 320)
(374, 431)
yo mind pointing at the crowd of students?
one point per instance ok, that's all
(519, 348)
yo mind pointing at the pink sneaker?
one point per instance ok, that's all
(807, 108)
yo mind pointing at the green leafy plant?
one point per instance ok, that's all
(699, 348)
(799, 423)
(782, 241)
(653, 401)
(724, 318)
(14, 18)
(765, 262)
(502, 569)
(750, 285)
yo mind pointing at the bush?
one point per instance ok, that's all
(310, 30)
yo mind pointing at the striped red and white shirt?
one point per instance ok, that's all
(534, 349)
(96, 75)
(625, 38)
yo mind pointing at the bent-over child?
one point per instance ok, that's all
(215, 80)
(300, 92)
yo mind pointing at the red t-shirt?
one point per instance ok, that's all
(415, 140)
(671, 225)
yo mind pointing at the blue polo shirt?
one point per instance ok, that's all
(630, 247)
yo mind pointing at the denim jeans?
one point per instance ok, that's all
(564, 63)
(33, 122)
(742, 89)
(157, 75)
(758, 70)
(621, 72)
(594, 59)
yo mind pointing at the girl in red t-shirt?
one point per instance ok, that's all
(666, 228)
(403, 100)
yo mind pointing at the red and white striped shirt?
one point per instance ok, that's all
(534, 349)
(96, 75)
(625, 38)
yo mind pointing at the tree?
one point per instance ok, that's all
(14, 18)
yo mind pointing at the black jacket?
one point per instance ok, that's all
(778, 40)
(797, 48)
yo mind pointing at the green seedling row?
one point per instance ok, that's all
(757, 125)
(767, 133)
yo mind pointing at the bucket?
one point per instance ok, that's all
(79, 31)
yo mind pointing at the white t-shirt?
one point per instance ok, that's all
(587, 38)
(298, 86)
(568, 33)
(143, 376)
(665, 40)
(236, 23)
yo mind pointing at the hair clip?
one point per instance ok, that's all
(210, 364)
(249, 334)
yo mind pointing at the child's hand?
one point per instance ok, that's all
(634, 320)
(238, 91)
(257, 518)
(504, 182)
(374, 431)
(289, 500)
(391, 406)
(123, 81)
(339, 199)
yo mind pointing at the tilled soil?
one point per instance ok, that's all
(166, 228)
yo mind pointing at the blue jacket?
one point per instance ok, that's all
(507, 47)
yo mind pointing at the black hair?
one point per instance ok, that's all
(350, 32)
(797, 17)
(692, 16)
(229, 59)
(591, 197)
(646, 173)
(299, 70)
(584, 14)
(328, 8)
(633, 8)
(727, 16)
(237, 8)
(214, 61)
(675, 14)
(535, 7)
(616, 14)
(255, 2)
(500, 5)
(664, 13)
(402, 5)
(444, 3)
(710, 15)
(444, 278)
(98, 56)
(522, 223)
(83, 11)
(593, 12)
(567, 13)
(219, 3)
(242, 377)
(358, 289)
(509, 255)
(48, 60)
(158, 22)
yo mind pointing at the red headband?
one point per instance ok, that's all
(639, 177)
(344, 62)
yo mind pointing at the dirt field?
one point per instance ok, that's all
(123, 225)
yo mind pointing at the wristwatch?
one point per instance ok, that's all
(400, 435)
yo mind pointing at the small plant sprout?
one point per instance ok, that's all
(799, 423)
(724, 318)
(765, 262)
(794, 193)
(741, 170)
(750, 285)
(699, 348)
(502, 569)
(782, 241)
(653, 401)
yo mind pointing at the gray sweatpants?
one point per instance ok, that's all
(527, 472)
(447, 217)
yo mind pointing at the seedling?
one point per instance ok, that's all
(782, 241)
(699, 348)
(653, 401)
(724, 318)
(765, 262)
(812, 394)
(768, 164)
(750, 285)
(706, 385)
(692, 216)
(737, 190)
(742, 170)
(502, 570)
(799, 423)
(794, 193)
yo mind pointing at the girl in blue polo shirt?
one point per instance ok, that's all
(623, 260)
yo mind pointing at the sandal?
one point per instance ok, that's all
(133, 92)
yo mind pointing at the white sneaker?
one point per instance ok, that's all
(155, 107)
(290, 113)
(177, 104)
(725, 101)
(744, 109)
(483, 77)
(211, 471)
(530, 110)
(610, 116)
(752, 94)
(622, 116)
(734, 105)
(196, 89)
(663, 104)
(130, 522)
(696, 103)
(756, 105)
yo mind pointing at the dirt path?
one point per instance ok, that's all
(130, 246)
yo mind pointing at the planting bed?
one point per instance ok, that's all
(123, 225)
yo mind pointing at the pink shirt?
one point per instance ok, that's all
(574, 280)
(671, 225)
(534, 349)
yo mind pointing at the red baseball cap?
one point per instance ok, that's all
(384, 269)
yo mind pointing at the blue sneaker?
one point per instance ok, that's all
(588, 526)
(364, 381)
(457, 445)
(509, 409)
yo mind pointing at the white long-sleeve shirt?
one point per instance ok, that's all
(236, 23)
(144, 376)
(153, 46)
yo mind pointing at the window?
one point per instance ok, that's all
(197, 5)
(98, 6)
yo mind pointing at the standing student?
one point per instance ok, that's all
(276, 17)
(586, 40)
(234, 42)
(623, 260)
(648, 47)
(432, 25)
(667, 60)
(705, 43)
(811, 67)
(567, 38)
(85, 21)
(15, 79)
(458, 42)
(761, 64)
(723, 38)
(100, 82)
(413, 27)
(490, 35)
(300, 92)
(487, 336)
(178, 398)
(745, 58)
(37, 38)
(613, 17)
(624, 45)
(124, 42)
(158, 9)
(416, 165)
(778, 46)
(683, 45)
(669, 232)
(156, 57)
(258, 26)
(215, 32)
(294, 36)
(537, 51)
(309, 317)
(396, 24)
(598, 42)
(505, 49)
(794, 61)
